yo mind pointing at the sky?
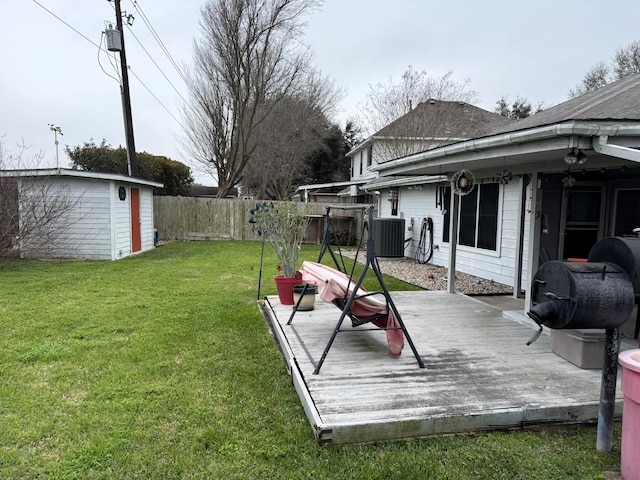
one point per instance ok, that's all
(50, 74)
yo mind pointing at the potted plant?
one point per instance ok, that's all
(282, 226)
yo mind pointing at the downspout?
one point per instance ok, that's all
(600, 145)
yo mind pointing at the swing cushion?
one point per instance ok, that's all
(336, 286)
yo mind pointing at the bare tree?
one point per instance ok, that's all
(597, 76)
(626, 61)
(246, 60)
(287, 137)
(33, 209)
(386, 102)
(294, 128)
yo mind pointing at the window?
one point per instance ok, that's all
(627, 212)
(446, 206)
(478, 217)
(369, 155)
(361, 161)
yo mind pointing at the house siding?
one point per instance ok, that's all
(418, 202)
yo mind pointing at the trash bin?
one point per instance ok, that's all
(630, 462)
(155, 237)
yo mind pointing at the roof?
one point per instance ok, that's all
(198, 190)
(346, 183)
(67, 172)
(617, 101)
(605, 122)
(444, 119)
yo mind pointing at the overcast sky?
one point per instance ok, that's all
(50, 74)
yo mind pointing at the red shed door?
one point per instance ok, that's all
(136, 240)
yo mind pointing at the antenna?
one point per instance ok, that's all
(56, 131)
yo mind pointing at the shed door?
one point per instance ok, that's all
(136, 240)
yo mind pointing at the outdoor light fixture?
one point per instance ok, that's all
(571, 157)
(581, 157)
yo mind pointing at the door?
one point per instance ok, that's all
(582, 217)
(136, 239)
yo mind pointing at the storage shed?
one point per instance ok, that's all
(64, 213)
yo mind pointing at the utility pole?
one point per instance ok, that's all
(126, 100)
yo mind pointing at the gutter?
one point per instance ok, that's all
(401, 182)
(600, 145)
(512, 138)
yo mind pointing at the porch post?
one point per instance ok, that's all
(453, 241)
(535, 212)
(517, 274)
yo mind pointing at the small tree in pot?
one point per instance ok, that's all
(282, 226)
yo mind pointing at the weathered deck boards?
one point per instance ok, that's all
(479, 373)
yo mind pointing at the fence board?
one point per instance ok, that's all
(195, 218)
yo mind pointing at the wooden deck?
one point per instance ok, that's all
(479, 375)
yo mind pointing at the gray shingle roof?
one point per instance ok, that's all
(617, 101)
(445, 119)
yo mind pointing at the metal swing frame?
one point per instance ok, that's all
(370, 263)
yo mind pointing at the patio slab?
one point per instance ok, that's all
(479, 373)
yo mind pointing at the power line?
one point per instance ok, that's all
(156, 98)
(147, 22)
(56, 16)
(100, 48)
(154, 62)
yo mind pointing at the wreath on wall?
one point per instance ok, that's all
(463, 182)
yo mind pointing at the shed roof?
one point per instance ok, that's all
(67, 172)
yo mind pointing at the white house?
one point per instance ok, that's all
(546, 187)
(87, 215)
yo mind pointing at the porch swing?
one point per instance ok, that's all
(337, 286)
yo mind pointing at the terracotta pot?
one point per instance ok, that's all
(309, 298)
(285, 288)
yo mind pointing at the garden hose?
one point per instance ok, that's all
(424, 252)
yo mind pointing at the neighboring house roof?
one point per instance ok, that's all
(617, 101)
(67, 172)
(444, 120)
(440, 122)
(198, 190)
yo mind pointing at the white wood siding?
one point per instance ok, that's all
(122, 227)
(83, 230)
(419, 203)
(96, 225)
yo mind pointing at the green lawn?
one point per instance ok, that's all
(161, 366)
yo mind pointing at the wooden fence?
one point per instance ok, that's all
(194, 218)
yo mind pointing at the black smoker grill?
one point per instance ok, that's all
(597, 294)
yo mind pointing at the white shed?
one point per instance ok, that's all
(66, 213)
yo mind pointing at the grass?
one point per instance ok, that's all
(161, 366)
